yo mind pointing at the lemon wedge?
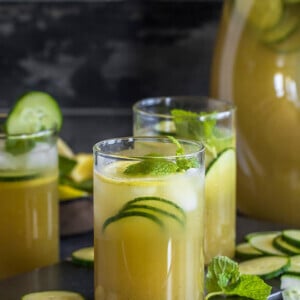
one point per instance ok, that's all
(64, 149)
(67, 192)
(84, 167)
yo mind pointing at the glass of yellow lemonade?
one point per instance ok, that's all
(148, 219)
(29, 230)
(210, 121)
(256, 65)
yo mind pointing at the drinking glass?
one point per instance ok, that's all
(148, 226)
(212, 122)
(29, 201)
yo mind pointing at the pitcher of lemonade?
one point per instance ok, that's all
(256, 64)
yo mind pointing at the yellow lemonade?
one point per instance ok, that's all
(28, 223)
(154, 117)
(256, 64)
(153, 249)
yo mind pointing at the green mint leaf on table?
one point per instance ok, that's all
(159, 166)
(223, 278)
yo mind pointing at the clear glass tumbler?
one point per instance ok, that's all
(148, 219)
(210, 121)
(29, 228)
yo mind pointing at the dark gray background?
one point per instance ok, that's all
(98, 57)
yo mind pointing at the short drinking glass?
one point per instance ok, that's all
(29, 201)
(148, 212)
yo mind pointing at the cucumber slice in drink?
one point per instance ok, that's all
(288, 24)
(267, 267)
(159, 203)
(132, 215)
(246, 251)
(294, 268)
(33, 112)
(18, 176)
(83, 256)
(261, 14)
(264, 243)
(53, 295)
(165, 128)
(291, 236)
(219, 176)
(285, 247)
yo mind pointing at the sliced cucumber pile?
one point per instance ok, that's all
(270, 254)
(83, 256)
(53, 295)
(160, 211)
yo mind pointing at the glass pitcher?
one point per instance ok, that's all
(256, 64)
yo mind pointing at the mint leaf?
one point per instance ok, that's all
(222, 273)
(223, 278)
(251, 286)
(157, 167)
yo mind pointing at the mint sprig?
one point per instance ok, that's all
(154, 164)
(198, 126)
(224, 278)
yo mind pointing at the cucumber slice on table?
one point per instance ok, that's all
(294, 268)
(83, 256)
(267, 267)
(285, 247)
(292, 236)
(33, 112)
(246, 251)
(264, 243)
(53, 295)
(289, 281)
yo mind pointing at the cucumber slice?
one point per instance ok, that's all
(246, 251)
(261, 14)
(83, 256)
(288, 281)
(159, 203)
(165, 128)
(253, 234)
(267, 267)
(285, 247)
(294, 268)
(33, 112)
(132, 214)
(291, 293)
(287, 25)
(291, 236)
(11, 177)
(264, 243)
(53, 295)
(154, 210)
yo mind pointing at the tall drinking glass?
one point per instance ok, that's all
(148, 219)
(212, 122)
(29, 230)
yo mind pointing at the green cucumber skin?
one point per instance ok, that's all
(156, 210)
(125, 214)
(283, 246)
(18, 178)
(210, 165)
(293, 241)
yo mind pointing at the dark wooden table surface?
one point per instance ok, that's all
(67, 276)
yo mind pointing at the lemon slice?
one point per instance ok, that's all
(67, 192)
(84, 168)
(262, 14)
(64, 149)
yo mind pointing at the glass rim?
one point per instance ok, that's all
(138, 107)
(41, 133)
(97, 150)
